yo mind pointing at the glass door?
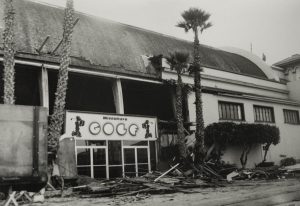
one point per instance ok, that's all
(129, 162)
(142, 161)
(99, 163)
(92, 161)
(136, 161)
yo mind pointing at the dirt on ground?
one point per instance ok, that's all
(250, 192)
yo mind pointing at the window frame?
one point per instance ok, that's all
(264, 107)
(240, 105)
(297, 116)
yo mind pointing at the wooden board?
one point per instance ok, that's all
(66, 158)
(16, 140)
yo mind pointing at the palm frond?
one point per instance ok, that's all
(206, 26)
(170, 61)
(178, 60)
(184, 25)
(182, 57)
(156, 61)
(195, 18)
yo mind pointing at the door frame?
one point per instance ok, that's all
(91, 147)
(135, 157)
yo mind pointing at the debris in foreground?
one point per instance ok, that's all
(140, 185)
(179, 178)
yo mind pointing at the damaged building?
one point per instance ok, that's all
(120, 110)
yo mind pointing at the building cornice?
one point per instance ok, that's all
(236, 82)
(242, 83)
(262, 99)
(129, 77)
(278, 68)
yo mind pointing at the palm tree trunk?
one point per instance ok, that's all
(179, 117)
(266, 149)
(244, 155)
(198, 100)
(9, 53)
(57, 118)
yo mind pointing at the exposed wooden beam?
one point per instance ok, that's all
(58, 45)
(43, 44)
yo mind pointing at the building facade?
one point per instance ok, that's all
(111, 77)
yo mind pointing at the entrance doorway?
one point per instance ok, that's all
(111, 146)
(92, 161)
(110, 159)
(136, 160)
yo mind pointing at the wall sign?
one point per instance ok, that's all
(109, 126)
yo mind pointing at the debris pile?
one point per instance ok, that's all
(147, 184)
(269, 172)
(181, 177)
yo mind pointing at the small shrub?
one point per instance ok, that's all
(288, 161)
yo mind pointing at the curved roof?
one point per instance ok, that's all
(256, 60)
(108, 45)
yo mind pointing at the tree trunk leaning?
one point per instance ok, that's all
(266, 149)
(244, 155)
(9, 53)
(179, 117)
(57, 118)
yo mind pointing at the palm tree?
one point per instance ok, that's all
(9, 53)
(57, 118)
(197, 20)
(178, 62)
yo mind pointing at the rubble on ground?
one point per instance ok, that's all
(180, 178)
(141, 185)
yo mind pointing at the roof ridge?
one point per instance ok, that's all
(120, 23)
(123, 45)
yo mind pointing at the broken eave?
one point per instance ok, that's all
(80, 63)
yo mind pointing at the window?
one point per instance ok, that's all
(291, 116)
(263, 114)
(231, 111)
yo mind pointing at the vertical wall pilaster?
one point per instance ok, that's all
(118, 96)
(43, 85)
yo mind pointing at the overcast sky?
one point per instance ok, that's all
(272, 26)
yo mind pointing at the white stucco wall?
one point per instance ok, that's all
(290, 134)
(294, 88)
(280, 74)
